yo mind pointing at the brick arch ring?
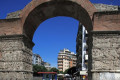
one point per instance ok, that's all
(38, 11)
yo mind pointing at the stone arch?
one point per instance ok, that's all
(105, 37)
(38, 11)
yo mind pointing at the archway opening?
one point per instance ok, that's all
(53, 35)
(56, 34)
(52, 9)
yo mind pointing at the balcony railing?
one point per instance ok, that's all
(60, 63)
(60, 57)
(60, 67)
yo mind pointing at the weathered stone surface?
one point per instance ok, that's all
(109, 76)
(16, 58)
(10, 45)
(105, 7)
(105, 52)
(15, 76)
(106, 76)
(15, 66)
(96, 76)
(106, 56)
(15, 14)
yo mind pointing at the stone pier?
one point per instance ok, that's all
(15, 58)
(106, 55)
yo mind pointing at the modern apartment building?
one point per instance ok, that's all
(47, 65)
(37, 59)
(82, 52)
(66, 59)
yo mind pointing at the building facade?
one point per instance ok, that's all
(47, 65)
(82, 52)
(37, 59)
(66, 59)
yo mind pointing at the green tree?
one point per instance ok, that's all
(54, 70)
(38, 68)
(61, 72)
(66, 71)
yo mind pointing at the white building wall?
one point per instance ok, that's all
(65, 64)
(36, 59)
(83, 47)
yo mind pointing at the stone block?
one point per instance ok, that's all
(109, 76)
(95, 76)
(16, 58)
(15, 76)
(106, 52)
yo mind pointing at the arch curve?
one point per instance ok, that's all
(38, 11)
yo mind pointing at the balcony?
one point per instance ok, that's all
(60, 67)
(59, 57)
(60, 63)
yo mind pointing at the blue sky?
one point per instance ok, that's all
(53, 34)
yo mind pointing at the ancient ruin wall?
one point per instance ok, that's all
(15, 14)
(16, 58)
(106, 56)
(105, 7)
(106, 21)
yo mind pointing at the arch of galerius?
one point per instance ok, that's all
(16, 33)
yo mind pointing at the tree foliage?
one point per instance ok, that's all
(60, 72)
(38, 68)
(54, 70)
(66, 71)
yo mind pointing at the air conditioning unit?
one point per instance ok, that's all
(83, 73)
(86, 57)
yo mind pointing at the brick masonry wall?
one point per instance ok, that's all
(53, 9)
(34, 3)
(10, 27)
(106, 21)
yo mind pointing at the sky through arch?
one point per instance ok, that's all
(53, 35)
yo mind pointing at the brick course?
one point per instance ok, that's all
(106, 21)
